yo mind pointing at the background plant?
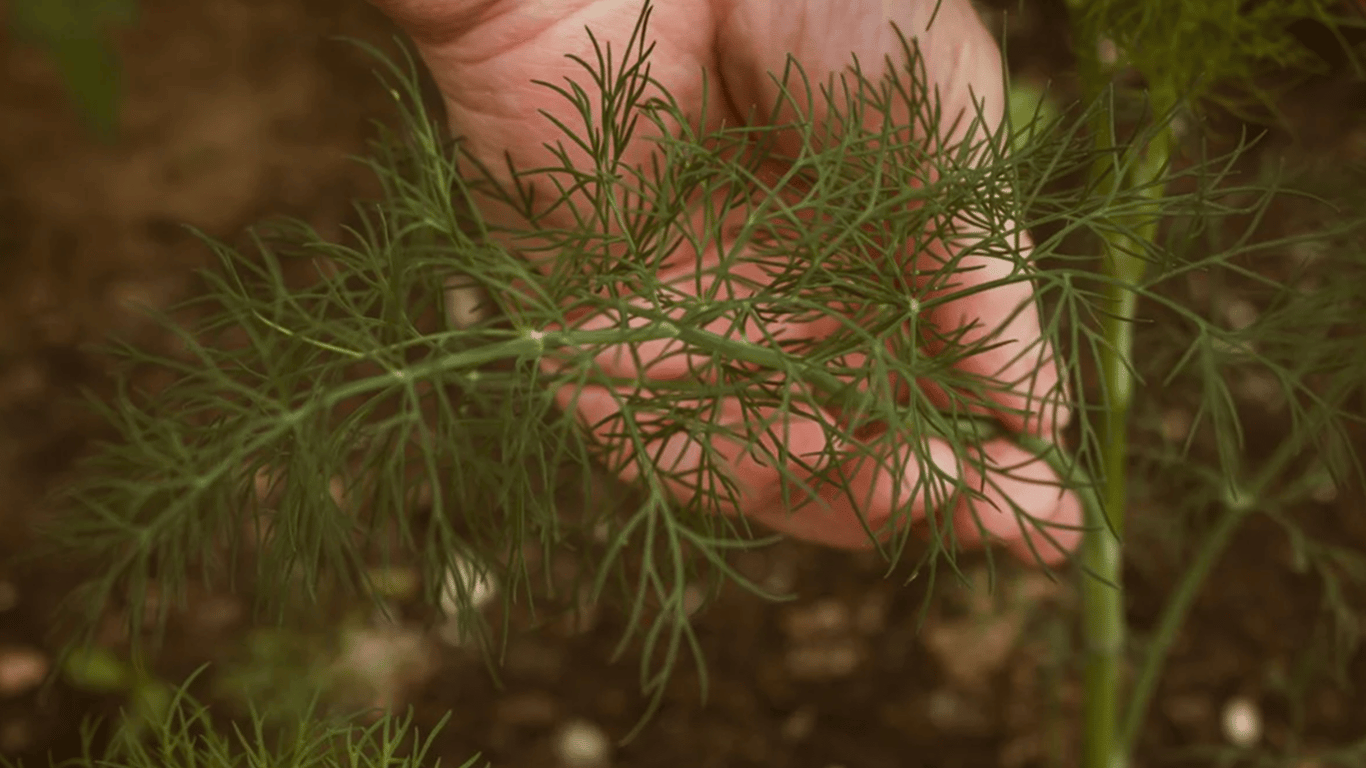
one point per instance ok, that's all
(78, 38)
(310, 346)
(1237, 43)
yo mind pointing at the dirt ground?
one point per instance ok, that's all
(242, 109)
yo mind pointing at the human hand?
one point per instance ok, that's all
(485, 55)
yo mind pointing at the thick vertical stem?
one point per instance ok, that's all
(1137, 170)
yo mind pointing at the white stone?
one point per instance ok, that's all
(581, 744)
(465, 303)
(1242, 722)
(1239, 313)
(470, 579)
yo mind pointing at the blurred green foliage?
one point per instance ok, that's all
(1227, 52)
(78, 36)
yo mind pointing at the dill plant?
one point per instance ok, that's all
(448, 444)
(1237, 43)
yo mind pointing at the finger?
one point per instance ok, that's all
(873, 493)
(1016, 366)
(739, 457)
(671, 359)
(789, 472)
(961, 62)
(785, 471)
(963, 66)
(1020, 502)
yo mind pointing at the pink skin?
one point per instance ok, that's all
(485, 54)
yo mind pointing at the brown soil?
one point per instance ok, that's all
(240, 109)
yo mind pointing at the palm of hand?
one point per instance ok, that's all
(485, 55)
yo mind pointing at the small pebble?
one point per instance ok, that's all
(581, 744)
(1176, 424)
(1239, 313)
(21, 670)
(470, 580)
(1242, 722)
(694, 597)
(823, 617)
(465, 303)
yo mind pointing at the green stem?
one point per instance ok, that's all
(1138, 169)
(1236, 509)
(533, 344)
(1173, 617)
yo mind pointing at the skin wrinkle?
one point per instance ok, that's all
(436, 23)
(512, 29)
